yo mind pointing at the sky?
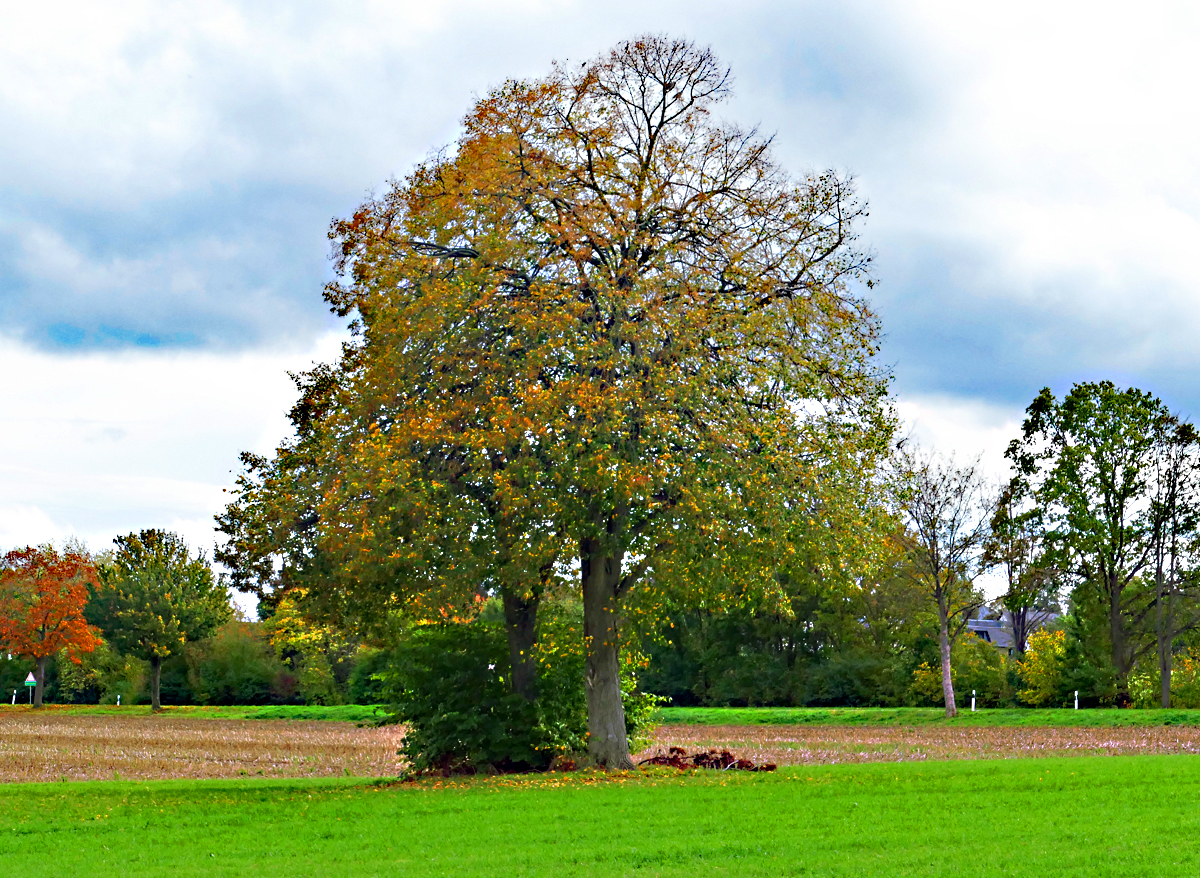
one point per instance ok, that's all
(168, 172)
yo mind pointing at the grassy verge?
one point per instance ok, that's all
(336, 713)
(1090, 816)
(916, 716)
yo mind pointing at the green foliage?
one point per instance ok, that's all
(975, 666)
(1042, 668)
(316, 683)
(100, 676)
(450, 685)
(154, 596)
(238, 666)
(980, 668)
(1103, 469)
(830, 644)
(320, 657)
(447, 684)
(1145, 684)
(366, 685)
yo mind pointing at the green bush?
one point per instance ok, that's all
(449, 684)
(366, 685)
(238, 666)
(101, 676)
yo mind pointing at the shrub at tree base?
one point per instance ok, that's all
(449, 684)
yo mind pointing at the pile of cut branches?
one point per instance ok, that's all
(720, 760)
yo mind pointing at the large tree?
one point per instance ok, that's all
(42, 596)
(606, 336)
(1106, 468)
(154, 596)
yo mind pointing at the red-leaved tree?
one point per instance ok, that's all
(42, 595)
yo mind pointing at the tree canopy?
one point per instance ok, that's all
(603, 338)
(1112, 473)
(154, 596)
(42, 596)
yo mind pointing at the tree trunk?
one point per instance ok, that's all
(608, 744)
(40, 676)
(155, 678)
(1116, 630)
(520, 625)
(1020, 625)
(1163, 625)
(947, 680)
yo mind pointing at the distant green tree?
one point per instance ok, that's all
(1094, 465)
(153, 597)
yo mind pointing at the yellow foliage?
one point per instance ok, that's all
(1041, 670)
(927, 683)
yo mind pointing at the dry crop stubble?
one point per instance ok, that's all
(50, 747)
(36, 746)
(828, 745)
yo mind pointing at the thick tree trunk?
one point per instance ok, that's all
(947, 680)
(155, 678)
(608, 744)
(39, 675)
(520, 625)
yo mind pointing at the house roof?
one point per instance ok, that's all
(994, 631)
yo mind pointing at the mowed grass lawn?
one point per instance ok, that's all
(1093, 816)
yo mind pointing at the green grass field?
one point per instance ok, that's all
(914, 716)
(338, 713)
(1084, 816)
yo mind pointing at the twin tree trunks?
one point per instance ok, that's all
(608, 742)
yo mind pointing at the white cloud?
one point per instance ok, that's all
(965, 429)
(100, 444)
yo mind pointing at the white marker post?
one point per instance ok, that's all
(1077, 699)
(30, 682)
(118, 701)
(972, 701)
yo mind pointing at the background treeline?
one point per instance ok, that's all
(237, 665)
(1094, 540)
(150, 621)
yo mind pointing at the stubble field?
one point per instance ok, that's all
(67, 745)
(832, 745)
